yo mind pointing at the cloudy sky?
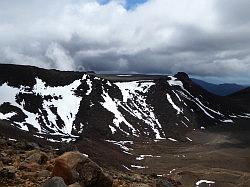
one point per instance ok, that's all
(205, 38)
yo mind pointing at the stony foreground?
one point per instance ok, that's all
(25, 164)
(209, 160)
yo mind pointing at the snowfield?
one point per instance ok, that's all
(135, 103)
(63, 99)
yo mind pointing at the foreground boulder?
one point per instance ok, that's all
(76, 167)
(55, 182)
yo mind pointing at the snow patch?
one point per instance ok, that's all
(7, 116)
(172, 139)
(186, 118)
(113, 130)
(85, 155)
(12, 139)
(173, 104)
(177, 96)
(204, 181)
(184, 123)
(245, 115)
(123, 75)
(8, 95)
(202, 106)
(126, 168)
(227, 121)
(138, 167)
(89, 83)
(64, 100)
(134, 102)
(174, 82)
(112, 106)
(67, 104)
(142, 157)
(121, 144)
(171, 171)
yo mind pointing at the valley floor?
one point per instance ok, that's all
(210, 159)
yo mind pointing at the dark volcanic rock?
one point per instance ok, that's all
(182, 76)
(55, 182)
(91, 175)
(6, 160)
(8, 173)
(163, 183)
(32, 145)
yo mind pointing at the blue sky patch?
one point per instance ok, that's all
(130, 4)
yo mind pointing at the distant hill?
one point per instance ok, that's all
(242, 93)
(242, 97)
(219, 89)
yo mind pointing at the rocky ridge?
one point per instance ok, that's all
(65, 106)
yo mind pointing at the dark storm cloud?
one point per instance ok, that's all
(204, 38)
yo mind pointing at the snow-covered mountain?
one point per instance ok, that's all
(63, 106)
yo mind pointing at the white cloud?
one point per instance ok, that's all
(159, 36)
(15, 57)
(60, 57)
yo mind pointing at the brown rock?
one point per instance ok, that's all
(50, 167)
(17, 162)
(75, 167)
(65, 166)
(26, 175)
(119, 183)
(43, 173)
(76, 185)
(62, 169)
(31, 167)
(36, 156)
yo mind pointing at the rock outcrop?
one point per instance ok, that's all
(76, 167)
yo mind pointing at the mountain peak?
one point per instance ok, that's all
(182, 76)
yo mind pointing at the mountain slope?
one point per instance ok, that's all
(63, 106)
(242, 98)
(219, 89)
